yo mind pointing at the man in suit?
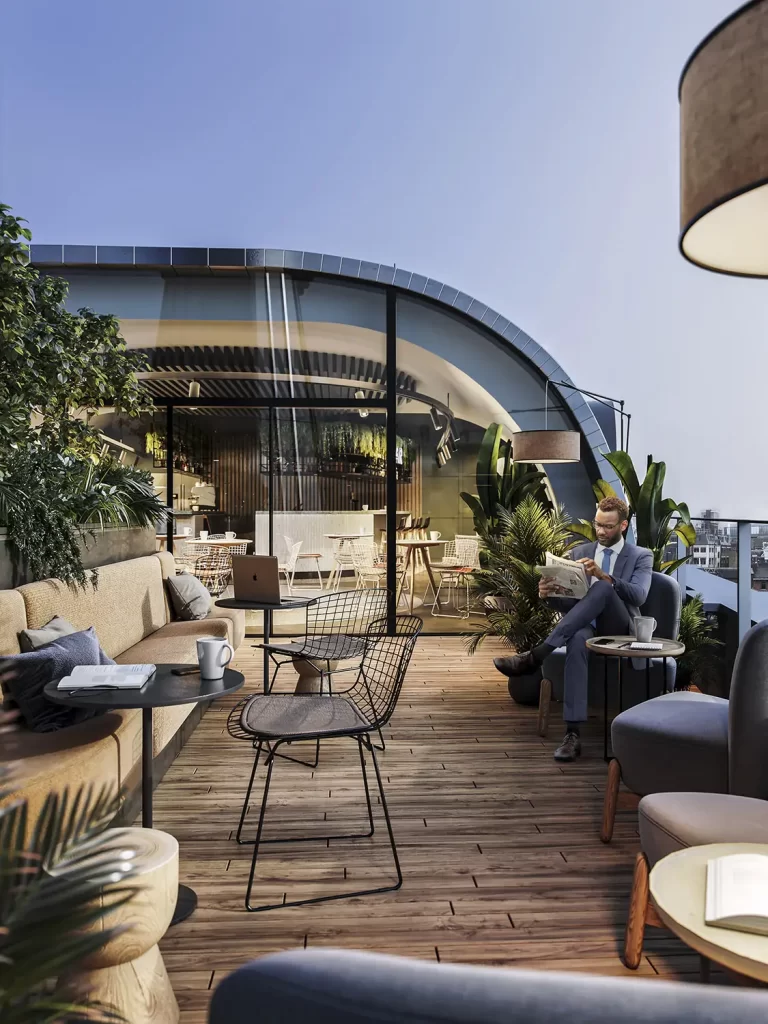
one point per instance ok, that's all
(620, 578)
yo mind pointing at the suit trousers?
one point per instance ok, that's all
(603, 606)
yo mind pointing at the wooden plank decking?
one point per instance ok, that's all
(499, 845)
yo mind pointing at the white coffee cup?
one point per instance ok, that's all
(644, 627)
(365, 508)
(434, 535)
(230, 535)
(187, 531)
(204, 535)
(212, 656)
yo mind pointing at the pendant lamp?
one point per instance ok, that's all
(724, 146)
(547, 446)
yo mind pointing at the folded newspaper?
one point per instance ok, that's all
(123, 677)
(569, 575)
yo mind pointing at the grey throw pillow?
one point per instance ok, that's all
(31, 639)
(189, 597)
(29, 674)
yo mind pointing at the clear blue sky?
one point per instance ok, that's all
(525, 151)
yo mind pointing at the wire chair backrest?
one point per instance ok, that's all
(216, 536)
(383, 668)
(238, 548)
(348, 611)
(468, 552)
(449, 554)
(293, 553)
(364, 553)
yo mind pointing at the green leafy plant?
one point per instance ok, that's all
(59, 368)
(700, 645)
(657, 520)
(53, 872)
(509, 582)
(501, 489)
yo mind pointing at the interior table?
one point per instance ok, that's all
(678, 886)
(412, 546)
(286, 604)
(163, 689)
(619, 647)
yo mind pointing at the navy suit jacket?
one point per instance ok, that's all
(632, 575)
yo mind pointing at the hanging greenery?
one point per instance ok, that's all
(359, 447)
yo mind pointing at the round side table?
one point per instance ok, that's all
(163, 689)
(678, 885)
(619, 647)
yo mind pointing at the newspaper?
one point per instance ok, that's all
(569, 575)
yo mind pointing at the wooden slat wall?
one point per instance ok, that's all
(243, 486)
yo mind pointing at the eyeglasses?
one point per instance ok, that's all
(604, 526)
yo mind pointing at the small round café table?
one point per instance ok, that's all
(161, 690)
(286, 604)
(678, 885)
(620, 647)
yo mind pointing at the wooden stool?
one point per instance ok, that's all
(128, 973)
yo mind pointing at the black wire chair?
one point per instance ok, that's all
(273, 719)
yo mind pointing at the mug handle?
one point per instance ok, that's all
(231, 655)
(655, 624)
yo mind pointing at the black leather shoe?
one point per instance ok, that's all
(570, 748)
(517, 665)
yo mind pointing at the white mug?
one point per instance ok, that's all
(230, 535)
(365, 508)
(204, 535)
(644, 627)
(211, 655)
(434, 535)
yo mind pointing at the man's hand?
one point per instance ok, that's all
(593, 569)
(548, 587)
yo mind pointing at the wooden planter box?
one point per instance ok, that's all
(113, 544)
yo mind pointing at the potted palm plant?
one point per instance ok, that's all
(509, 582)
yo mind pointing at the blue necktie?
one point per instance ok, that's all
(607, 560)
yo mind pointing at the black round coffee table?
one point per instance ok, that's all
(286, 604)
(163, 689)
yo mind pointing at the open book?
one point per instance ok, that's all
(571, 576)
(737, 893)
(116, 677)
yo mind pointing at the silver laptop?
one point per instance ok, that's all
(255, 578)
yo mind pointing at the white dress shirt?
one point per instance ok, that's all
(614, 549)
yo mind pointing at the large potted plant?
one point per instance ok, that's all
(501, 482)
(56, 487)
(695, 666)
(509, 579)
(657, 520)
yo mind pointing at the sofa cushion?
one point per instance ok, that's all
(173, 643)
(676, 742)
(31, 639)
(674, 821)
(189, 598)
(127, 604)
(31, 672)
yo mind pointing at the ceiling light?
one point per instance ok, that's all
(724, 147)
(435, 418)
(363, 412)
(194, 389)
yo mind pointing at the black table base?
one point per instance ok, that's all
(185, 904)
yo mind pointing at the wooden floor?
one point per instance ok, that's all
(499, 845)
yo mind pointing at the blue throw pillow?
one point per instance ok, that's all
(30, 673)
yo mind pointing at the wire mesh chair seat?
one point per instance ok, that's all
(273, 719)
(462, 557)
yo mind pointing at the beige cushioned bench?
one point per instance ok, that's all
(130, 612)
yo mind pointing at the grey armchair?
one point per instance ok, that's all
(327, 986)
(664, 605)
(707, 761)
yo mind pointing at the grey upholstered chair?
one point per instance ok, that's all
(691, 742)
(708, 761)
(664, 605)
(329, 986)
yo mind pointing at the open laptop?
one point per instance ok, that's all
(255, 578)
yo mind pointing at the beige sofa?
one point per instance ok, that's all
(130, 612)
